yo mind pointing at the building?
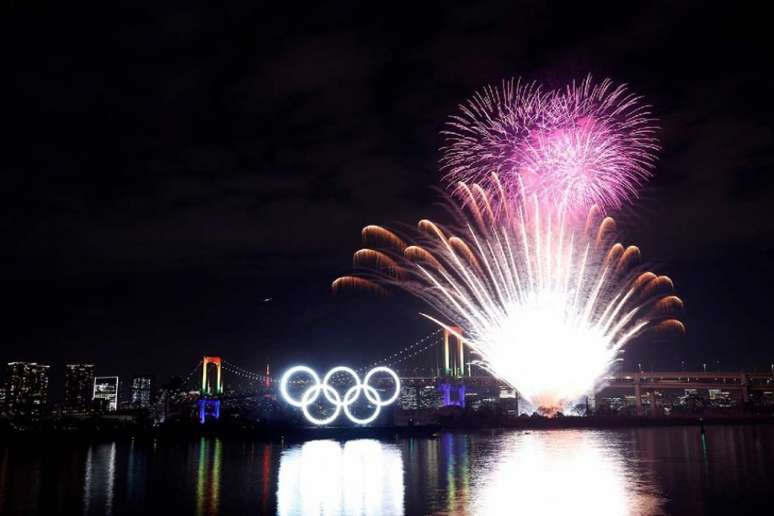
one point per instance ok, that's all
(26, 389)
(409, 399)
(105, 394)
(141, 391)
(429, 397)
(79, 388)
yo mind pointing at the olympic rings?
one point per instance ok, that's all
(333, 396)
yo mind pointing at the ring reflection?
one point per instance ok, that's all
(327, 477)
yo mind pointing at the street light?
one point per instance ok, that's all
(704, 365)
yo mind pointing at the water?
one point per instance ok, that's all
(638, 471)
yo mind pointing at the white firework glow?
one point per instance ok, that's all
(544, 303)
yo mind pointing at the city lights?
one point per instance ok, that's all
(459, 258)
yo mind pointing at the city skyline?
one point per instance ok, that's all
(137, 391)
(487, 257)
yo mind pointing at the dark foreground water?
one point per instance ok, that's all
(561, 472)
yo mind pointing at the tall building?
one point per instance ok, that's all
(106, 393)
(79, 388)
(141, 391)
(26, 389)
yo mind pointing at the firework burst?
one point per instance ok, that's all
(586, 144)
(546, 305)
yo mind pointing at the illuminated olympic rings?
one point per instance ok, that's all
(311, 394)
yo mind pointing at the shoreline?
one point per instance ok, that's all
(288, 433)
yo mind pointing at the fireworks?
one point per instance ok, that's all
(530, 271)
(546, 304)
(587, 144)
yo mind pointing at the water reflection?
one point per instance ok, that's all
(136, 472)
(208, 477)
(266, 478)
(637, 471)
(562, 472)
(99, 479)
(326, 477)
(455, 459)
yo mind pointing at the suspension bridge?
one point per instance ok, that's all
(217, 380)
(442, 355)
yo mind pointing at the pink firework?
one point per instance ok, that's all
(485, 137)
(587, 144)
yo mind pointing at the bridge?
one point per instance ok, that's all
(441, 359)
(648, 382)
(210, 392)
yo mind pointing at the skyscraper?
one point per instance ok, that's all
(106, 393)
(141, 391)
(26, 391)
(79, 388)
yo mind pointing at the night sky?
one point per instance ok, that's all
(166, 170)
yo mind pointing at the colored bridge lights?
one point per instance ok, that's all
(311, 394)
(209, 402)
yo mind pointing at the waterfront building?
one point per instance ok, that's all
(26, 389)
(408, 397)
(105, 394)
(78, 388)
(141, 391)
(430, 397)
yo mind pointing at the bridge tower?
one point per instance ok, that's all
(267, 378)
(206, 388)
(453, 352)
(209, 400)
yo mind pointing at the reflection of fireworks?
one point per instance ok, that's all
(546, 306)
(582, 145)
(571, 462)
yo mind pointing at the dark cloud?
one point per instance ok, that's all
(172, 166)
